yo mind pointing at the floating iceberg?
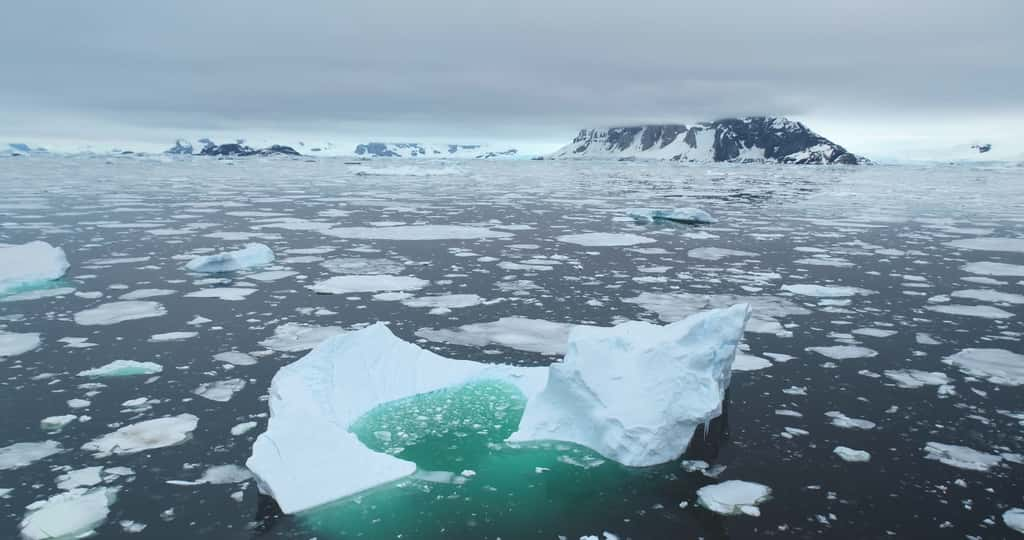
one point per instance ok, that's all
(123, 368)
(229, 261)
(31, 265)
(308, 455)
(734, 497)
(635, 393)
(690, 216)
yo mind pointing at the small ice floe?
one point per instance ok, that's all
(368, 283)
(172, 336)
(715, 254)
(989, 295)
(994, 269)
(250, 256)
(1012, 245)
(532, 335)
(687, 215)
(914, 378)
(444, 303)
(243, 428)
(116, 312)
(416, 233)
(36, 294)
(233, 294)
(295, 337)
(841, 420)
(145, 435)
(825, 291)
(874, 332)
(30, 266)
(997, 366)
(362, 266)
(87, 477)
(844, 352)
(961, 457)
(672, 307)
(23, 454)
(604, 239)
(72, 514)
(984, 312)
(851, 455)
(13, 344)
(123, 368)
(142, 294)
(734, 497)
(220, 390)
(749, 362)
(54, 424)
(1014, 519)
(218, 475)
(235, 358)
(271, 275)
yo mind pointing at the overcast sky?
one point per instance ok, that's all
(865, 73)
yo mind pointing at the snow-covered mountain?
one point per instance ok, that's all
(751, 139)
(421, 150)
(237, 149)
(20, 149)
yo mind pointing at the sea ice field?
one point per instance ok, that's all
(146, 303)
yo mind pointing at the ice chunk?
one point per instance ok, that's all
(87, 477)
(295, 337)
(995, 269)
(997, 366)
(533, 335)
(680, 215)
(851, 455)
(115, 312)
(22, 454)
(825, 291)
(749, 362)
(672, 307)
(1014, 519)
(604, 239)
(145, 435)
(172, 336)
(13, 344)
(243, 428)
(123, 368)
(368, 283)
(913, 378)
(844, 352)
(220, 390)
(233, 294)
(307, 456)
(989, 295)
(56, 423)
(636, 392)
(235, 357)
(73, 514)
(142, 294)
(1015, 245)
(841, 420)
(444, 303)
(984, 312)
(734, 497)
(217, 475)
(714, 253)
(229, 261)
(961, 457)
(416, 232)
(29, 266)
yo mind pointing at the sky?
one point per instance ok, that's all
(894, 76)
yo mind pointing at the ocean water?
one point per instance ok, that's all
(896, 248)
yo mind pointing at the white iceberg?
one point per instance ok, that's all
(31, 265)
(123, 368)
(229, 261)
(635, 393)
(13, 343)
(72, 514)
(308, 456)
(734, 497)
(686, 215)
(145, 435)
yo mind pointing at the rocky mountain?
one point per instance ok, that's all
(236, 149)
(421, 150)
(982, 148)
(752, 139)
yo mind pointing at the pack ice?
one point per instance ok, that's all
(308, 456)
(229, 261)
(31, 265)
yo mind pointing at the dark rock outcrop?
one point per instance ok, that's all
(236, 149)
(982, 148)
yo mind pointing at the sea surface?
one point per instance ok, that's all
(862, 362)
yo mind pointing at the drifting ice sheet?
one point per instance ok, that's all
(249, 256)
(30, 265)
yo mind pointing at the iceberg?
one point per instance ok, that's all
(30, 266)
(309, 455)
(689, 216)
(123, 368)
(229, 261)
(636, 392)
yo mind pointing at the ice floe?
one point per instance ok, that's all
(995, 269)
(220, 390)
(142, 294)
(844, 352)
(22, 454)
(31, 265)
(145, 435)
(915, 378)
(295, 337)
(825, 291)
(734, 497)
(13, 344)
(235, 357)
(218, 475)
(368, 283)
(1014, 519)
(983, 312)
(116, 312)
(56, 423)
(533, 335)
(715, 254)
(1015, 245)
(989, 295)
(250, 256)
(841, 420)
(443, 303)
(686, 215)
(172, 336)
(72, 514)
(961, 457)
(123, 368)
(997, 366)
(234, 294)
(604, 239)
(672, 307)
(416, 232)
(851, 455)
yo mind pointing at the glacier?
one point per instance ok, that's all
(29, 266)
(229, 261)
(309, 456)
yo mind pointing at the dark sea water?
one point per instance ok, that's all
(894, 233)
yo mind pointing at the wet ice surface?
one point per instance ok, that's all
(887, 320)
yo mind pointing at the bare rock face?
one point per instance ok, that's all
(752, 139)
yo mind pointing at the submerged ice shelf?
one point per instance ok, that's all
(309, 455)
